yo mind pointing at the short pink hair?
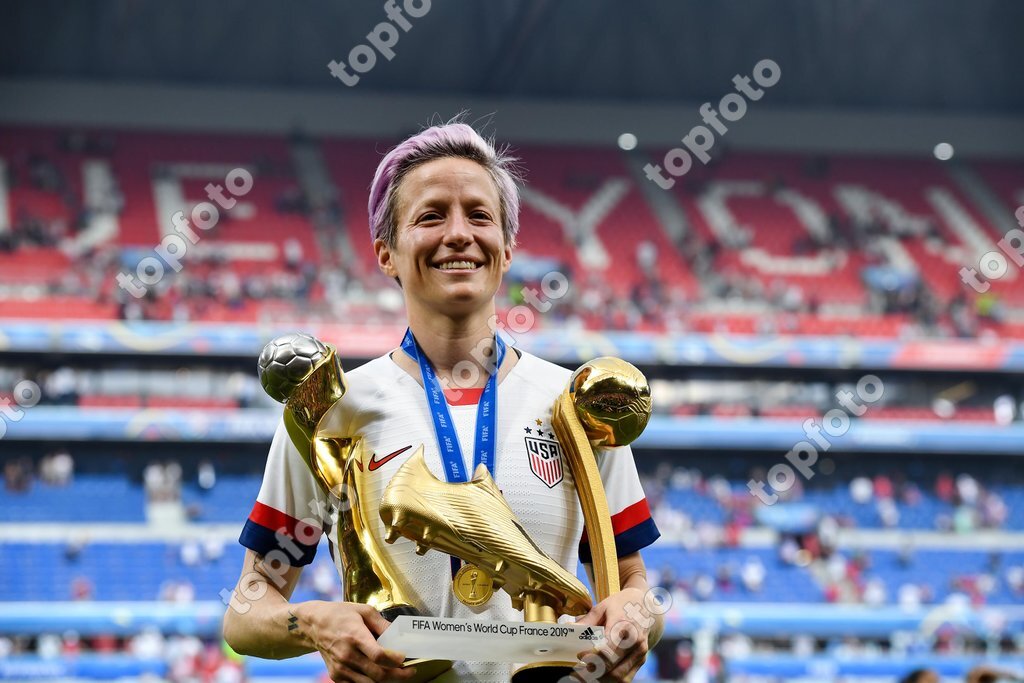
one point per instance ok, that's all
(451, 140)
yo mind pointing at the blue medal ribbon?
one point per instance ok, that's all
(444, 428)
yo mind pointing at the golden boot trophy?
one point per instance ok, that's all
(607, 403)
(305, 374)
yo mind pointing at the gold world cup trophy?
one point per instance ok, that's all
(607, 404)
(306, 375)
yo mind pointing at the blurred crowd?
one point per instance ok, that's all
(843, 576)
(56, 468)
(830, 569)
(67, 385)
(188, 386)
(333, 284)
(698, 513)
(967, 504)
(188, 659)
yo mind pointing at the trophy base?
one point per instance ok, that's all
(395, 611)
(514, 642)
(543, 672)
(427, 669)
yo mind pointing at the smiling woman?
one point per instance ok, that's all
(444, 213)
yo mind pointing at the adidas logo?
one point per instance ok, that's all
(588, 634)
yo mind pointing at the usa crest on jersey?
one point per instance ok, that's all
(545, 460)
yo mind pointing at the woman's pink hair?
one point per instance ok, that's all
(451, 140)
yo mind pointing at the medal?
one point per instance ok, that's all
(472, 585)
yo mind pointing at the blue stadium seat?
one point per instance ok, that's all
(88, 498)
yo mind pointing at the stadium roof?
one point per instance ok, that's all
(935, 55)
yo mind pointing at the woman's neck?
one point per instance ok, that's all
(459, 349)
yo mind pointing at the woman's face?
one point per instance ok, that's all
(449, 251)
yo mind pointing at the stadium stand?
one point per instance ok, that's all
(688, 508)
(89, 498)
(750, 246)
(769, 243)
(891, 498)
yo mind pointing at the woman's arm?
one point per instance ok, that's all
(257, 619)
(261, 622)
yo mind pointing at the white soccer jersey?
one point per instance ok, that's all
(387, 407)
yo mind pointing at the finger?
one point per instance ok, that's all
(576, 676)
(613, 664)
(374, 660)
(591, 618)
(625, 635)
(591, 667)
(630, 664)
(361, 663)
(630, 650)
(390, 673)
(374, 621)
(372, 650)
(400, 674)
(609, 655)
(345, 674)
(381, 673)
(605, 644)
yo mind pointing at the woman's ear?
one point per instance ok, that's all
(384, 262)
(507, 258)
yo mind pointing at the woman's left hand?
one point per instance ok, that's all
(626, 628)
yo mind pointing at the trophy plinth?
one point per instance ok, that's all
(305, 374)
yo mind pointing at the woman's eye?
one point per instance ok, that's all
(430, 216)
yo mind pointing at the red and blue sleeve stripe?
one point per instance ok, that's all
(268, 529)
(633, 527)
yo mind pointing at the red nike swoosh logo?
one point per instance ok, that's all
(376, 462)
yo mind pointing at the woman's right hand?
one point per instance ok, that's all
(346, 633)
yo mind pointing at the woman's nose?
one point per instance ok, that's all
(457, 229)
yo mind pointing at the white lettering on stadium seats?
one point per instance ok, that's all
(26, 394)
(993, 265)
(171, 250)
